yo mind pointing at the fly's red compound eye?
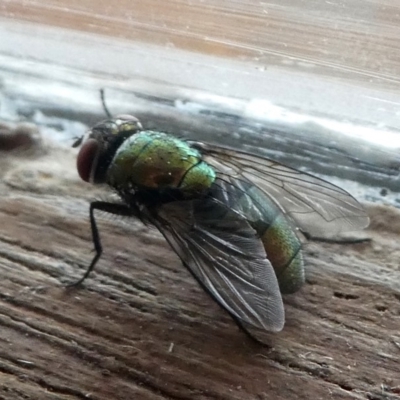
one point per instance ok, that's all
(87, 158)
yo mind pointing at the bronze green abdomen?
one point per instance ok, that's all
(155, 160)
(281, 243)
(283, 249)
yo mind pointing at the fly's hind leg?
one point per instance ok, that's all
(336, 240)
(112, 208)
(242, 326)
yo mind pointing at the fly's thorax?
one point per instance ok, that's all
(158, 161)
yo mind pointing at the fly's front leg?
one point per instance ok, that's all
(116, 209)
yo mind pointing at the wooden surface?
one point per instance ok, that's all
(352, 39)
(141, 328)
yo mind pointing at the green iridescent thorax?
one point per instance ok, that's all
(156, 160)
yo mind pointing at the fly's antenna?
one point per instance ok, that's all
(103, 103)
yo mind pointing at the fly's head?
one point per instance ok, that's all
(99, 144)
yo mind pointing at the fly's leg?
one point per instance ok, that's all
(336, 241)
(103, 103)
(116, 209)
(252, 337)
(241, 325)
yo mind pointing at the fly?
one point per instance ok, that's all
(231, 217)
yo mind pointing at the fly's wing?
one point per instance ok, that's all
(316, 206)
(224, 254)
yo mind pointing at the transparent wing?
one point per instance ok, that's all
(315, 206)
(224, 254)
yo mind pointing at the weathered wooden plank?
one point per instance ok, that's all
(141, 328)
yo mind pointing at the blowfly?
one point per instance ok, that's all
(231, 217)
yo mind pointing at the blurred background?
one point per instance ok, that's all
(313, 84)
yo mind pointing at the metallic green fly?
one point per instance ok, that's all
(231, 217)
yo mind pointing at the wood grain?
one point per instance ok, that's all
(141, 328)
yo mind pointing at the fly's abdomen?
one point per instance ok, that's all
(283, 249)
(281, 243)
(155, 160)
